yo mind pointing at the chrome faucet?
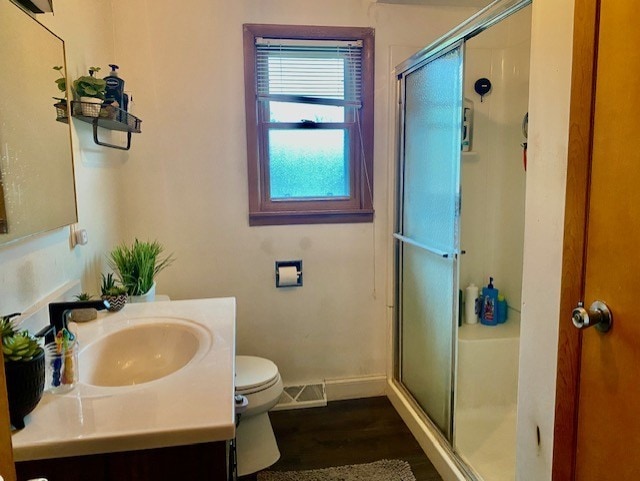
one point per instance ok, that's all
(59, 316)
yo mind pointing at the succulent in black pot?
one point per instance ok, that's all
(24, 368)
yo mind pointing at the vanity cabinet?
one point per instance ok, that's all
(173, 426)
(202, 462)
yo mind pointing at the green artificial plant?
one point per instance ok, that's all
(90, 86)
(17, 346)
(137, 265)
(20, 347)
(6, 326)
(110, 287)
(61, 83)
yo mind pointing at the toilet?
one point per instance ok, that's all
(259, 381)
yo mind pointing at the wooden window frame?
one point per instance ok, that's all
(359, 206)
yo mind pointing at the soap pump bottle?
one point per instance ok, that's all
(489, 307)
(115, 87)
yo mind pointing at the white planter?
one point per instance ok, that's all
(148, 296)
(90, 106)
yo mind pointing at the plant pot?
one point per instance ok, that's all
(90, 106)
(115, 302)
(83, 315)
(25, 384)
(148, 296)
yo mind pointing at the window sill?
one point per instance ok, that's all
(317, 217)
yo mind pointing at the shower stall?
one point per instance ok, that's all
(460, 220)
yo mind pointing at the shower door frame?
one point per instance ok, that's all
(484, 19)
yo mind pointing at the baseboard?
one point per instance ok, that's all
(438, 456)
(355, 387)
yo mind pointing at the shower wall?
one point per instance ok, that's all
(493, 177)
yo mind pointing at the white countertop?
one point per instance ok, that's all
(192, 405)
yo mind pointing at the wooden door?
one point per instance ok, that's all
(608, 436)
(7, 469)
(597, 434)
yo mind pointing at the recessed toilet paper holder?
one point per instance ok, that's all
(285, 276)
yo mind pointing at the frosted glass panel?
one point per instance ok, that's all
(429, 222)
(433, 106)
(427, 333)
(310, 163)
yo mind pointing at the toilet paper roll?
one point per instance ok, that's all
(470, 296)
(288, 275)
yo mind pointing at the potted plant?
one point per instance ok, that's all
(61, 104)
(86, 313)
(137, 266)
(24, 370)
(90, 90)
(115, 294)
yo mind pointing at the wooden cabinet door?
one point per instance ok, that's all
(7, 468)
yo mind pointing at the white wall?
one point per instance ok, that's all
(550, 83)
(32, 268)
(185, 182)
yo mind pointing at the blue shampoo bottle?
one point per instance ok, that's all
(489, 307)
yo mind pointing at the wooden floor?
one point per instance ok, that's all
(346, 432)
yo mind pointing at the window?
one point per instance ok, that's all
(309, 109)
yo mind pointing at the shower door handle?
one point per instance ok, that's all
(598, 315)
(425, 247)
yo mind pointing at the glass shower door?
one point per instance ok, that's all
(427, 236)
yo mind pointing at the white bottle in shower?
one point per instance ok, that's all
(470, 299)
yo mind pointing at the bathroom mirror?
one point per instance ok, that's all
(37, 192)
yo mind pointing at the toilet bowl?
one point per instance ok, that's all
(259, 381)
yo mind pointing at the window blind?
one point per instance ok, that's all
(309, 71)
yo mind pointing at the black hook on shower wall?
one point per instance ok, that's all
(482, 87)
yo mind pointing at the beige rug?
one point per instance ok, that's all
(385, 470)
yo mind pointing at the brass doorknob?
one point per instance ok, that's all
(598, 315)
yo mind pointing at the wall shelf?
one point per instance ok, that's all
(107, 117)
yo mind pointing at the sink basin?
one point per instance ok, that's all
(145, 350)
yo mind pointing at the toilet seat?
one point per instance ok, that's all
(255, 374)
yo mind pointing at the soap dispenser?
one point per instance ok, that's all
(489, 306)
(115, 87)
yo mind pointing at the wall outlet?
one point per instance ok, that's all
(79, 237)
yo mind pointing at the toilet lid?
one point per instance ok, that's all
(253, 372)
